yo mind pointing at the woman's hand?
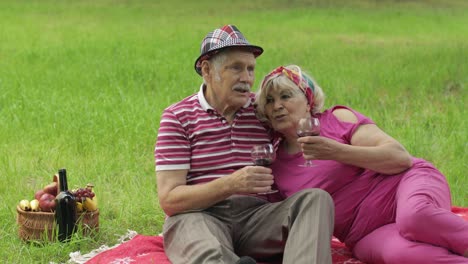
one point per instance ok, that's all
(370, 148)
(319, 148)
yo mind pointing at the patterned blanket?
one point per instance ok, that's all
(150, 249)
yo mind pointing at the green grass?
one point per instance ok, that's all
(83, 84)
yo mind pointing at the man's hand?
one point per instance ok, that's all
(250, 180)
(176, 196)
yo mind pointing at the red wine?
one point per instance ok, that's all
(65, 210)
(265, 162)
(307, 134)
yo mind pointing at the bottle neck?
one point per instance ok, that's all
(63, 180)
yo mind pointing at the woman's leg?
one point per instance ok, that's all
(386, 245)
(424, 210)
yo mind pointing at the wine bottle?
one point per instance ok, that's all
(65, 211)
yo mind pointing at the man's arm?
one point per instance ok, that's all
(175, 196)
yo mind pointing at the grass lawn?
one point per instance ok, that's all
(83, 84)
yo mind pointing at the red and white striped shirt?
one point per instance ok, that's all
(193, 136)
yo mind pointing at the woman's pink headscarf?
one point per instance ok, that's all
(301, 80)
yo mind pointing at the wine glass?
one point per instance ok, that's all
(306, 127)
(263, 155)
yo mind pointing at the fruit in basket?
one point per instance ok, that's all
(89, 204)
(86, 197)
(38, 194)
(81, 193)
(90, 187)
(47, 202)
(25, 205)
(79, 207)
(34, 205)
(51, 188)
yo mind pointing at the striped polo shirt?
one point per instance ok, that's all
(194, 136)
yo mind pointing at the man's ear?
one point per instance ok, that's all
(205, 68)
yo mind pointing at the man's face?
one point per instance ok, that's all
(231, 82)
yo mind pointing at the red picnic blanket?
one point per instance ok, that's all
(150, 249)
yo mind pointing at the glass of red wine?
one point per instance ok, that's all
(263, 155)
(306, 127)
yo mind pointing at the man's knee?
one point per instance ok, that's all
(313, 202)
(315, 195)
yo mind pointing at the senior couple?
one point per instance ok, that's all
(364, 187)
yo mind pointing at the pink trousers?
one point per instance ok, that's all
(425, 230)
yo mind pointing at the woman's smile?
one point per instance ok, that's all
(280, 117)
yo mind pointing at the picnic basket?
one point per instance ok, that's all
(41, 225)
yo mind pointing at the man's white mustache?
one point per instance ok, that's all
(241, 87)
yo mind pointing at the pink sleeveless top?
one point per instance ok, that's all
(358, 193)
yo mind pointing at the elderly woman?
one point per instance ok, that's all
(389, 207)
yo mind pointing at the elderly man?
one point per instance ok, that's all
(206, 183)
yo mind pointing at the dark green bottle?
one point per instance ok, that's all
(65, 210)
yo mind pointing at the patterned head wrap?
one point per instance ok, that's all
(302, 81)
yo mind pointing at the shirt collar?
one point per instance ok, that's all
(206, 106)
(201, 98)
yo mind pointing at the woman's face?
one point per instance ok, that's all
(284, 107)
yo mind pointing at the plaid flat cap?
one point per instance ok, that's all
(221, 38)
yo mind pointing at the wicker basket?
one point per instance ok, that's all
(41, 225)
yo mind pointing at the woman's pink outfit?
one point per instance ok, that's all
(400, 218)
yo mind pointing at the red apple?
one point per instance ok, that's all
(47, 202)
(51, 188)
(38, 194)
